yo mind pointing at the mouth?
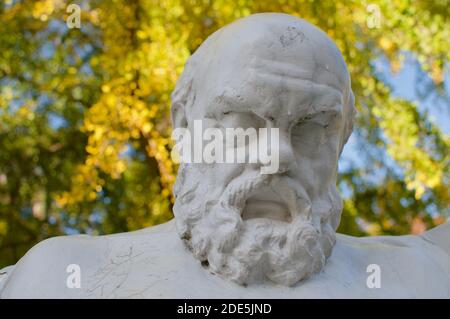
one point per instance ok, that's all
(265, 202)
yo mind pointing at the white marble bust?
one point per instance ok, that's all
(238, 233)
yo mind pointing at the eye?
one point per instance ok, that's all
(308, 136)
(300, 128)
(231, 119)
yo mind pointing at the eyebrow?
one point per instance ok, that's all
(227, 100)
(230, 101)
(333, 108)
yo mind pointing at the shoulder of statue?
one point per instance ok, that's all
(5, 274)
(39, 264)
(44, 269)
(439, 236)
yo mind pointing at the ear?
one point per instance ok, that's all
(178, 115)
(349, 114)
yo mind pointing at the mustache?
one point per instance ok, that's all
(291, 192)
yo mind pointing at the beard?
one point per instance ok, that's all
(209, 221)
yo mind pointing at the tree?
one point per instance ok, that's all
(84, 113)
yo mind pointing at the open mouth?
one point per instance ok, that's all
(265, 202)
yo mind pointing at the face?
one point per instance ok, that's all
(244, 225)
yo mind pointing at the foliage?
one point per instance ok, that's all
(84, 113)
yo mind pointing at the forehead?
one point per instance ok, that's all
(281, 62)
(276, 87)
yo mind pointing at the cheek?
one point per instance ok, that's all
(317, 166)
(210, 180)
(217, 176)
(324, 152)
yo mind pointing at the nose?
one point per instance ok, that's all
(282, 157)
(286, 154)
(281, 154)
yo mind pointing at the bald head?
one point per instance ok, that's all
(292, 45)
(266, 53)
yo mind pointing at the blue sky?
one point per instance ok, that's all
(403, 85)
